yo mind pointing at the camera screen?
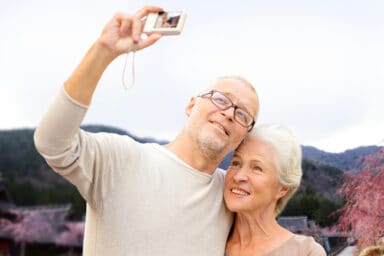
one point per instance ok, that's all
(167, 20)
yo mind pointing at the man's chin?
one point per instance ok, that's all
(213, 147)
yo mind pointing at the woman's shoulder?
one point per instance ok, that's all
(308, 243)
(298, 245)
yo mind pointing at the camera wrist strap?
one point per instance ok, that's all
(123, 78)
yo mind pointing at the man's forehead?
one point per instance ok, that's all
(245, 97)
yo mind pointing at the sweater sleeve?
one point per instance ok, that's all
(70, 151)
(60, 125)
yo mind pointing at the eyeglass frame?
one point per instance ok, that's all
(210, 96)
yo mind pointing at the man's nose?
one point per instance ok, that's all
(228, 113)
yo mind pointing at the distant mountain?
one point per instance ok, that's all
(110, 129)
(18, 153)
(28, 178)
(31, 181)
(323, 179)
(345, 161)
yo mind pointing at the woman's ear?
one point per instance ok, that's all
(190, 106)
(282, 192)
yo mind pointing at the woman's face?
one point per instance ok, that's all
(251, 182)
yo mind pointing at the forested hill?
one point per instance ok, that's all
(30, 180)
(352, 159)
(18, 155)
(27, 177)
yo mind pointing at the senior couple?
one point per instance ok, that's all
(147, 199)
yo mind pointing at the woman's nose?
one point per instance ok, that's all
(240, 175)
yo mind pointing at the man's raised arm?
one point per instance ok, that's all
(122, 34)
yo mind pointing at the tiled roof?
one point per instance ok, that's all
(294, 223)
(42, 224)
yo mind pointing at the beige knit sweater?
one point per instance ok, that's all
(141, 198)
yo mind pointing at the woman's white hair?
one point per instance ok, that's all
(287, 156)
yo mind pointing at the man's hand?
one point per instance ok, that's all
(121, 35)
(123, 32)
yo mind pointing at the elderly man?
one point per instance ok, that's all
(147, 199)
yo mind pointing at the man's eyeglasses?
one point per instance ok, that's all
(223, 102)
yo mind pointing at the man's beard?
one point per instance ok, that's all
(211, 146)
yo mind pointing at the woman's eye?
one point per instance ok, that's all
(256, 169)
(235, 164)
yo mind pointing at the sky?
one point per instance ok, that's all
(318, 66)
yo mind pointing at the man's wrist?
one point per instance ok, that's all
(104, 52)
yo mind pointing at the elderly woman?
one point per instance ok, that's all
(264, 173)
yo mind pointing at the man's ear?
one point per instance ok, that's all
(190, 106)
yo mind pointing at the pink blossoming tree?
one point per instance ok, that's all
(363, 213)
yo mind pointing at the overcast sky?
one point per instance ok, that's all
(318, 66)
